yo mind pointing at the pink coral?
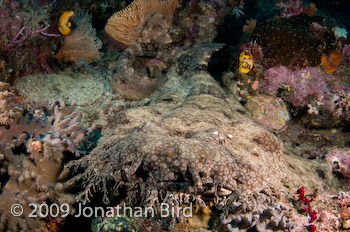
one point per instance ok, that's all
(303, 85)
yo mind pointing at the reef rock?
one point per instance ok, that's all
(270, 111)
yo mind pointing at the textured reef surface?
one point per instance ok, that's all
(167, 115)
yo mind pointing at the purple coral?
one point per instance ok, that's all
(304, 85)
(20, 36)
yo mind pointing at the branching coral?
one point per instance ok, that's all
(62, 129)
(66, 132)
(126, 25)
(10, 111)
(31, 148)
(249, 26)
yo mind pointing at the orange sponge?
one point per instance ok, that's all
(332, 62)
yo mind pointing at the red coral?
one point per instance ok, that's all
(313, 214)
(312, 228)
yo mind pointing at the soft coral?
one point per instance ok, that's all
(290, 8)
(312, 213)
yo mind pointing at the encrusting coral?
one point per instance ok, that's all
(126, 25)
(193, 142)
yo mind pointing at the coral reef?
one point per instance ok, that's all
(32, 180)
(326, 97)
(32, 149)
(271, 218)
(250, 134)
(53, 123)
(302, 85)
(26, 35)
(197, 22)
(290, 8)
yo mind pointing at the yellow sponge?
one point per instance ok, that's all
(63, 23)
